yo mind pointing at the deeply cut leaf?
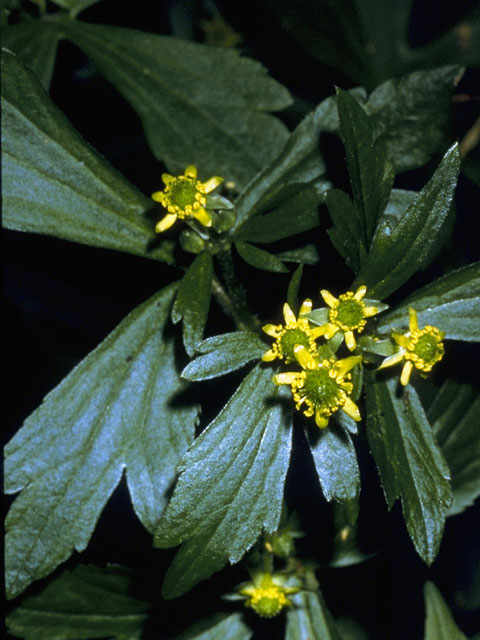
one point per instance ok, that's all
(54, 183)
(198, 104)
(223, 354)
(117, 409)
(439, 623)
(395, 256)
(454, 418)
(451, 303)
(230, 485)
(86, 602)
(193, 300)
(310, 618)
(410, 463)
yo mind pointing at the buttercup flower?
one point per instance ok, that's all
(347, 314)
(420, 348)
(323, 386)
(184, 197)
(267, 594)
(295, 331)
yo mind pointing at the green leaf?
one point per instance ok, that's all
(452, 303)
(54, 183)
(293, 289)
(193, 300)
(413, 114)
(409, 461)
(198, 104)
(300, 163)
(307, 254)
(230, 486)
(86, 602)
(75, 6)
(259, 258)
(223, 354)
(346, 231)
(294, 215)
(218, 627)
(439, 623)
(454, 418)
(370, 169)
(396, 255)
(310, 618)
(112, 412)
(335, 462)
(35, 42)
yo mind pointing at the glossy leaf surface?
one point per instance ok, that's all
(439, 622)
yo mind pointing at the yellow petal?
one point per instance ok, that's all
(203, 216)
(360, 293)
(406, 372)
(320, 420)
(288, 314)
(351, 409)
(269, 356)
(272, 330)
(392, 360)
(290, 377)
(191, 171)
(343, 366)
(166, 177)
(304, 357)
(329, 299)
(370, 311)
(212, 184)
(413, 324)
(330, 330)
(316, 332)
(157, 196)
(401, 340)
(166, 222)
(350, 340)
(306, 307)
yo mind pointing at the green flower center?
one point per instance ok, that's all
(322, 390)
(289, 339)
(182, 193)
(269, 603)
(429, 348)
(349, 314)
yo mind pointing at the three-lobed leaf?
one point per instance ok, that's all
(410, 462)
(120, 408)
(439, 623)
(55, 184)
(86, 602)
(230, 486)
(396, 255)
(451, 303)
(199, 105)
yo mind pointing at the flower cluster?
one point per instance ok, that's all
(322, 383)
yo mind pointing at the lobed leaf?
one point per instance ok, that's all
(193, 300)
(54, 183)
(230, 485)
(112, 412)
(310, 618)
(198, 104)
(259, 258)
(410, 463)
(396, 255)
(223, 354)
(454, 418)
(35, 42)
(439, 623)
(452, 303)
(86, 602)
(370, 169)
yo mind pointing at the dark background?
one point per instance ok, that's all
(62, 299)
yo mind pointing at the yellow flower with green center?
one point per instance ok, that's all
(420, 348)
(267, 594)
(184, 197)
(295, 331)
(323, 386)
(347, 313)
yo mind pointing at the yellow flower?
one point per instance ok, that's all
(420, 348)
(324, 386)
(347, 314)
(184, 197)
(295, 331)
(267, 594)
